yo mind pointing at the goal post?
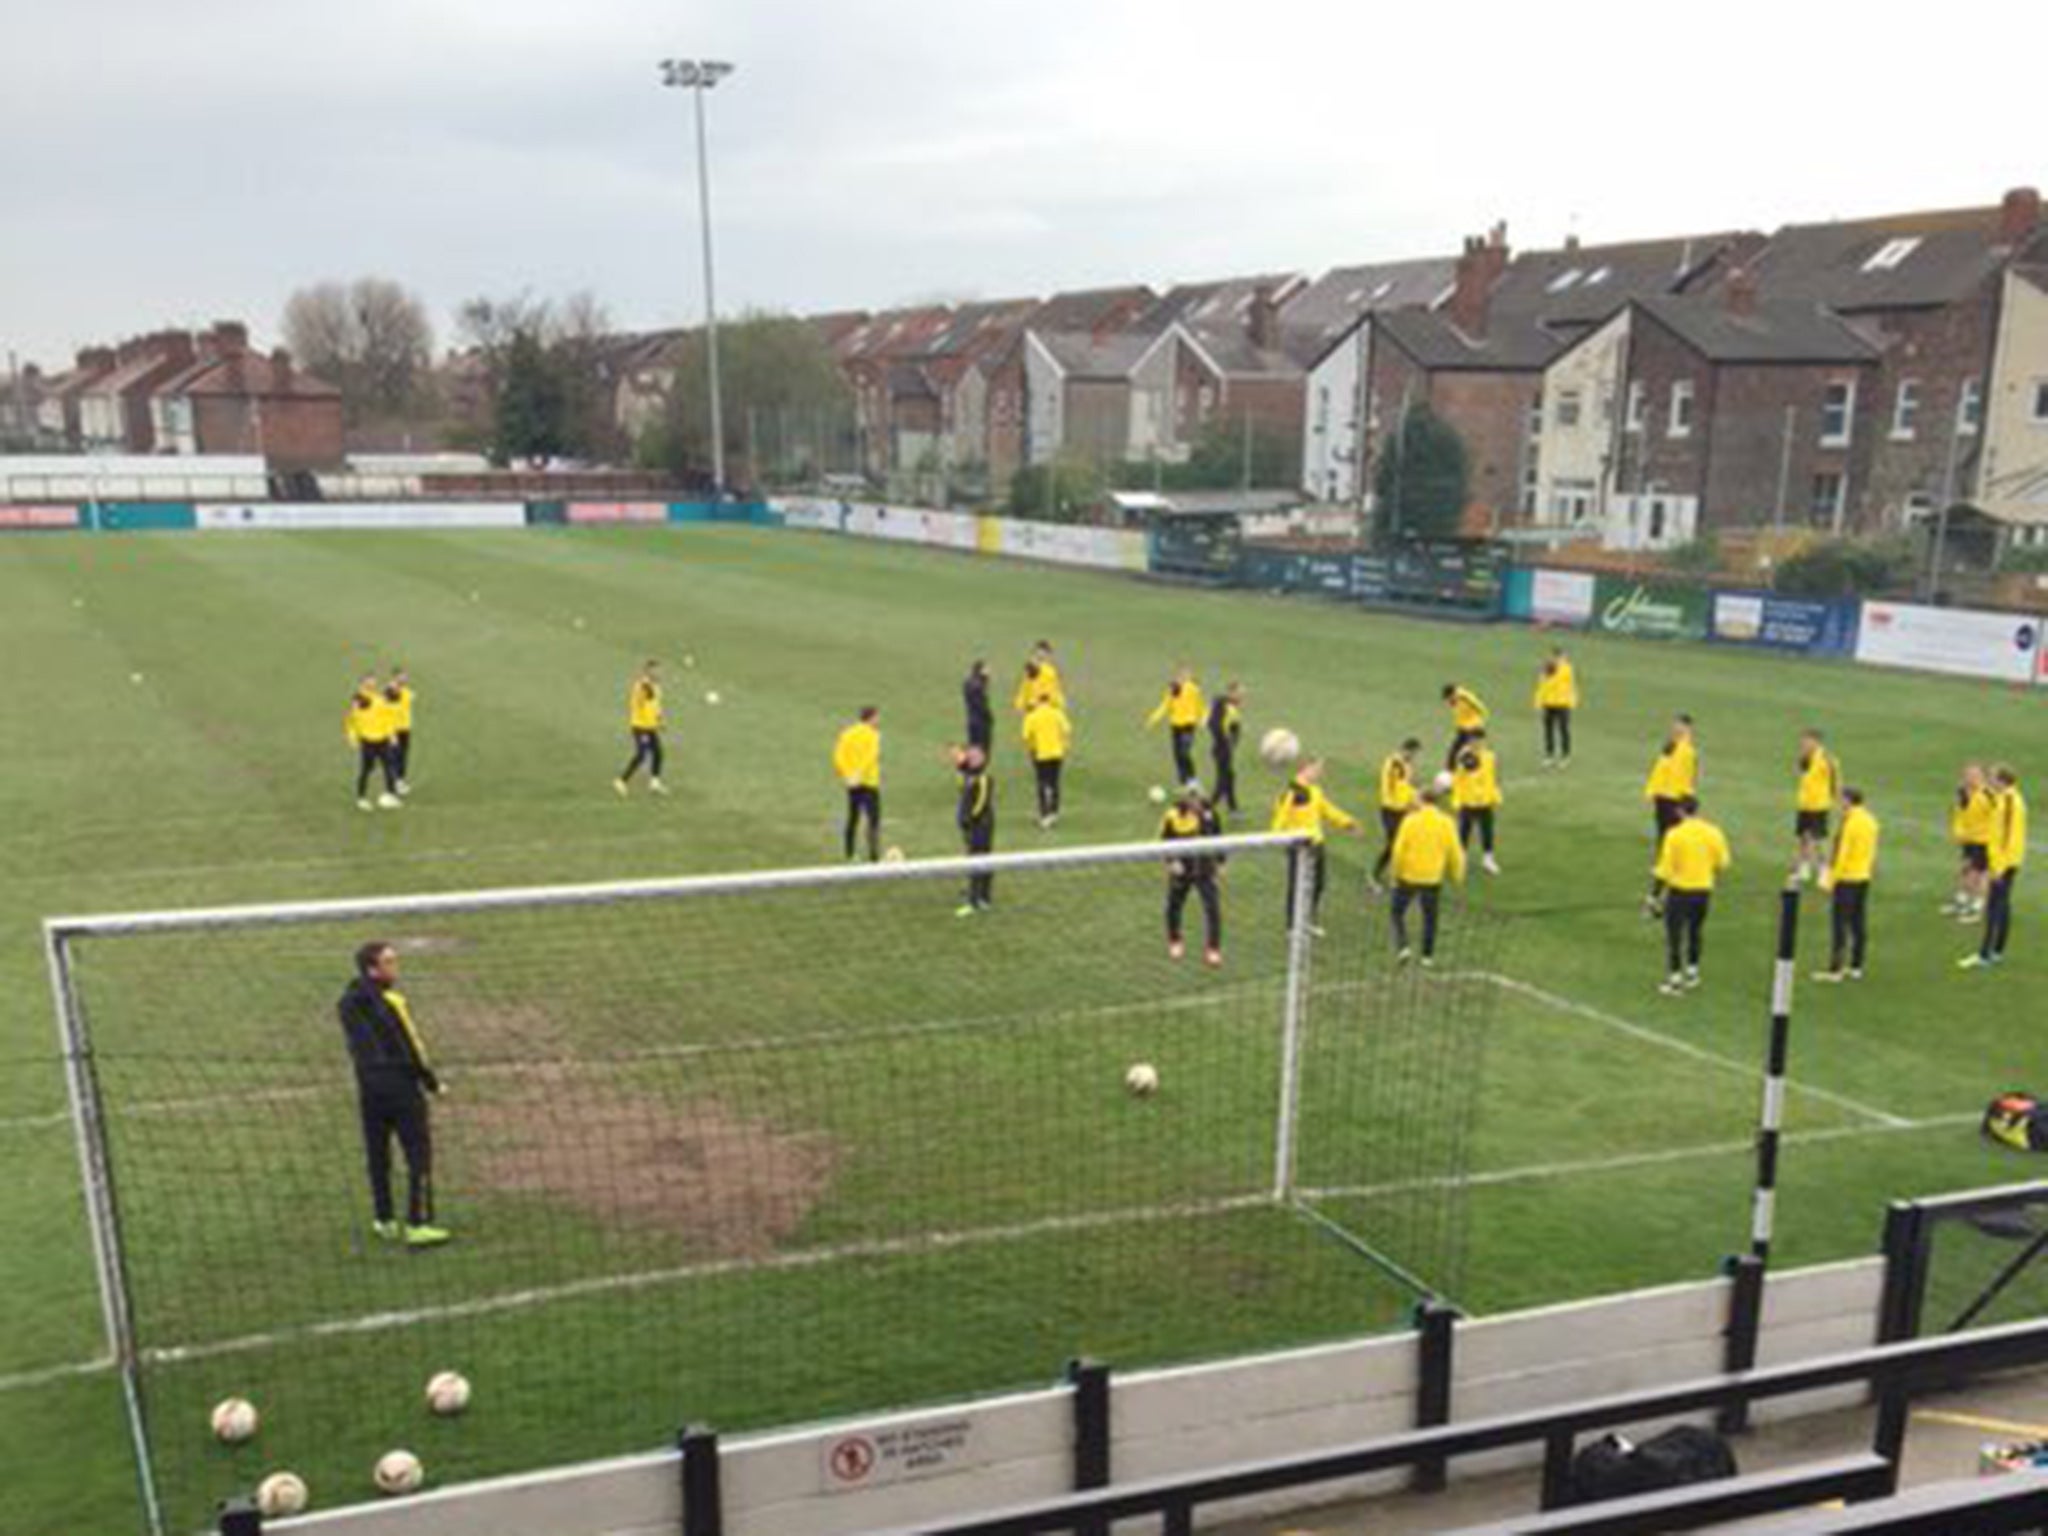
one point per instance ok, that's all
(751, 1148)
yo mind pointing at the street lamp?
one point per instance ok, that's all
(698, 76)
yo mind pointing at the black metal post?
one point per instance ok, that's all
(703, 1503)
(1435, 1326)
(1898, 1317)
(1090, 1382)
(1745, 1325)
(240, 1517)
(1558, 1446)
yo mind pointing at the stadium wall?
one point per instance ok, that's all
(860, 1475)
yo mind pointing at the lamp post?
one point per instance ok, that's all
(698, 76)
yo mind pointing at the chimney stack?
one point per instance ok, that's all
(1739, 293)
(1479, 268)
(1264, 319)
(2019, 215)
(230, 337)
(280, 372)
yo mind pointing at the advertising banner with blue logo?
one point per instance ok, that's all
(1785, 623)
(1286, 570)
(1963, 641)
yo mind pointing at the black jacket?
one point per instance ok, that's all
(977, 808)
(981, 719)
(380, 1044)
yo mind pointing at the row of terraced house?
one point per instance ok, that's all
(1852, 375)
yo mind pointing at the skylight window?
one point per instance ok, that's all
(1354, 296)
(1383, 290)
(1564, 279)
(1598, 275)
(1891, 254)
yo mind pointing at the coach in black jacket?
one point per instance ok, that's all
(393, 1081)
(981, 720)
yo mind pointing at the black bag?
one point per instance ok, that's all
(1614, 1468)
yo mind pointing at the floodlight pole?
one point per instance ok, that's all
(698, 76)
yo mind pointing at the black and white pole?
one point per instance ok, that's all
(1746, 1302)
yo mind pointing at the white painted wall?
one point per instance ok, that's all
(2014, 480)
(1574, 459)
(1045, 398)
(1332, 423)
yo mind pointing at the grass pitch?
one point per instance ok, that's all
(172, 738)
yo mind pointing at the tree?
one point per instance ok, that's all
(1060, 492)
(1420, 484)
(781, 388)
(531, 415)
(545, 374)
(371, 339)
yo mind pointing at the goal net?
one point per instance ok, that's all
(749, 1150)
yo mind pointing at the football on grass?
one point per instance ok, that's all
(398, 1472)
(281, 1494)
(234, 1420)
(1142, 1081)
(1279, 748)
(447, 1394)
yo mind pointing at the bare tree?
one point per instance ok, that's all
(371, 338)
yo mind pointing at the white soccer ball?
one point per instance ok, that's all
(448, 1394)
(235, 1420)
(398, 1472)
(135, 677)
(1279, 748)
(711, 697)
(1142, 1080)
(281, 1494)
(1156, 795)
(1442, 781)
(689, 660)
(892, 855)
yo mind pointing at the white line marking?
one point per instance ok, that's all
(50, 1375)
(1685, 1047)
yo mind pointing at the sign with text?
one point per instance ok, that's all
(1651, 610)
(1561, 597)
(895, 1454)
(13, 516)
(1962, 641)
(582, 512)
(1785, 623)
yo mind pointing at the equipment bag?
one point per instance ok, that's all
(2019, 1120)
(1613, 1467)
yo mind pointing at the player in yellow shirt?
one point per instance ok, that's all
(857, 760)
(1191, 816)
(1969, 827)
(1183, 709)
(1427, 849)
(644, 720)
(1475, 795)
(1851, 868)
(1468, 714)
(1226, 726)
(1674, 775)
(1041, 680)
(1048, 737)
(369, 724)
(1820, 786)
(1303, 807)
(398, 691)
(1557, 696)
(1396, 799)
(1689, 862)
(2006, 853)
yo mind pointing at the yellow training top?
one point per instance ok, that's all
(1467, 712)
(643, 705)
(2008, 846)
(1042, 689)
(1694, 854)
(401, 708)
(1427, 848)
(1855, 859)
(1558, 687)
(1676, 772)
(1305, 808)
(857, 756)
(1970, 821)
(1820, 780)
(1047, 732)
(1397, 785)
(1477, 787)
(1182, 707)
(371, 719)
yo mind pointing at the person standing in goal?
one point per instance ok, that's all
(394, 1080)
(369, 726)
(398, 692)
(1847, 878)
(1557, 696)
(976, 815)
(1689, 862)
(1192, 816)
(1048, 736)
(1428, 848)
(1183, 709)
(644, 719)
(857, 759)
(1226, 726)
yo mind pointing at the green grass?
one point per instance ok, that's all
(1606, 1157)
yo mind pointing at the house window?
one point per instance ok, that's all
(1535, 418)
(1568, 408)
(1322, 408)
(1906, 410)
(2041, 402)
(1970, 408)
(1571, 502)
(1837, 407)
(1637, 402)
(1681, 408)
(1827, 498)
(1889, 255)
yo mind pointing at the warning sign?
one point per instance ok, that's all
(896, 1454)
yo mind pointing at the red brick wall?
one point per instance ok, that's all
(1941, 348)
(296, 433)
(1491, 413)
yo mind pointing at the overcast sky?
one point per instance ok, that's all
(173, 161)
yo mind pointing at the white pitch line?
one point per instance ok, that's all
(1685, 1047)
(50, 1375)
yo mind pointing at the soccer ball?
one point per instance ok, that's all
(1156, 795)
(448, 1394)
(689, 660)
(1142, 1081)
(235, 1420)
(711, 697)
(892, 855)
(1442, 781)
(398, 1472)
(281, 1494)
(1279, 748)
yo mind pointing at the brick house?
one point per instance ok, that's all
(114, 409)
(1102, 396)
(233, 399)
(938, 400)
(57, 413)
(1096, 313)
(1925, 289)
(869, 355)
(2012, 485)
(1690, 414)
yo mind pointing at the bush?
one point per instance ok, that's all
(1697, 557)
(1062, 492)
(2025, 562)
(1848, 568)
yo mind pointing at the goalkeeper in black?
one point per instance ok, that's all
(393, 1081)
(977, 817)
(1192, 816)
